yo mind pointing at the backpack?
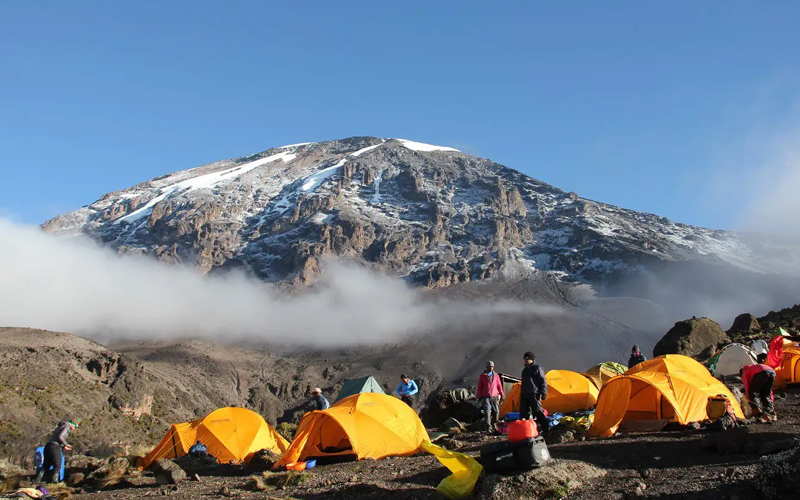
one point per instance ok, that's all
(523, 455)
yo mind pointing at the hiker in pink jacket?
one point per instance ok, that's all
(490, 391)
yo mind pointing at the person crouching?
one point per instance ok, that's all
(758, 381)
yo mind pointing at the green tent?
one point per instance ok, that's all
(358, 386)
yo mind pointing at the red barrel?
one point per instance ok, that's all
(520, 430)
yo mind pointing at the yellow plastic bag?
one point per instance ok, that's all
(465, 469)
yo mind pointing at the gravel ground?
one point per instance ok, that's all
(665, 465)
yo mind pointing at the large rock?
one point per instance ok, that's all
(167, 472)
(82, 464)
(110, 475)
(777, 476)
(745, 323)
(10, 475)
(696, 337)
(555, 480)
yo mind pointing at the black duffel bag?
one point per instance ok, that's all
(508, 457)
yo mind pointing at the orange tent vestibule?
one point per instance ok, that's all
(229, 434)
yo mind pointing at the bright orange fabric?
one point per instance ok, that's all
(567, 392)
(229, 434)
(368, 425)
(511, 402)
(790, 365)
(673, 388)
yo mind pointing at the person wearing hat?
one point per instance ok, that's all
(636, 356)
(534, 391)
(320, 400)
(54, 449)
(490, 391)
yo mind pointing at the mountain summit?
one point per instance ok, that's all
(430, 214)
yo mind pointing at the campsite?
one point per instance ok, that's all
(399, 251)
(648, 432)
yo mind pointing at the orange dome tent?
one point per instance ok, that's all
(671, 388)
(567, 391)
(229, 434)
(366, 425)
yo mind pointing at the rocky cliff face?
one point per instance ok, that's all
(432, 215)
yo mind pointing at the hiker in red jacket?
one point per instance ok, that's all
(758, 381)
(490, 390)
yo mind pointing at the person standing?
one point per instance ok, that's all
(758, 381)
(636, 357)
(533, 392)
(320, 400)
(490, 391)
(54, 449)
(406, 389)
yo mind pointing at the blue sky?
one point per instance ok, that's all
(636, 105)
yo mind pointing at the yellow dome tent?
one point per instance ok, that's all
(229, 434)
(600, 374)
(367, 425)
(671, 388)
(567, 391)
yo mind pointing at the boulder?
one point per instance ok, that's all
(777, 477)
(771, 447)
(10, 475)
(82, 464)
(556, 480)
(745, 323)
(167, 472)
(695, 337)
(109, 475)
(264, 459)
(743, 440)
(452, 425)
(202, 464)
(560, 434)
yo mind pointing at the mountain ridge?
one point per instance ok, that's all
(429, 214)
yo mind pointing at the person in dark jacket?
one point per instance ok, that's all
(320, 400)
(198, 449)
(54, 449)
(533, 392)
(636, 357)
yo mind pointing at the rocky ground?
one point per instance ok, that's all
(666, 465)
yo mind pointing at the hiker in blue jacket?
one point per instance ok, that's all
(198, 449)
(406, 389)
(320, 401)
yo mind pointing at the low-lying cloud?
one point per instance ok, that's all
(73, 285)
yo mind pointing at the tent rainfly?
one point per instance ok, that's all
(359, 386)
(671, 388)
(366, 425)
(600, 374)
(229, 434)
(567, 392)
(730, 360)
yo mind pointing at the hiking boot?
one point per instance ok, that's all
(773, 417)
